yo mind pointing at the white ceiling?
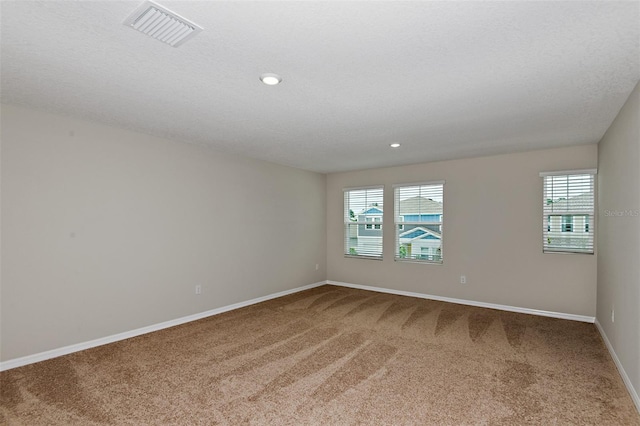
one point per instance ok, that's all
(445, 79)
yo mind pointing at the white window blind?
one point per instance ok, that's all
(418, 222)
(568, 223)
(363, 223)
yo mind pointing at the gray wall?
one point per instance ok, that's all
(492, 234)
(105, 230)
(619, 236)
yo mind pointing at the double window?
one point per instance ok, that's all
(418, 222)
(363, 213)
(568, 211)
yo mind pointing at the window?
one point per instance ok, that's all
(418, 222)
(363, 213)
(568, 209)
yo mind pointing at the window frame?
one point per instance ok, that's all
(578, 234)
(370, 224)
(401, 224)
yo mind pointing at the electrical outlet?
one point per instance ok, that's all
(198, 289)
(613, 315)
(463, 279)
(317, 266)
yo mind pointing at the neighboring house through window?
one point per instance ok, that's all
(418, 221)
(568, 210)
(567, 223)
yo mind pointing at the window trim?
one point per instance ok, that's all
(570, 172)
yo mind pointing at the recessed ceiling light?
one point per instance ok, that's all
(395, 145)
(270, 79)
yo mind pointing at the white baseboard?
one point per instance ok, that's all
(42, 356)
(616, 360)
(560, 315)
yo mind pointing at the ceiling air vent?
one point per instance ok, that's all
(162, 24)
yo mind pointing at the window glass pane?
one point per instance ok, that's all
(363, 217)
(568, 209)
(418, 222)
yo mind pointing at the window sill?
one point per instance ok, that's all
(350, 256)
(422, 262)
(566, 252)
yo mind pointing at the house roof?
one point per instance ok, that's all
(411, 206)
(419, 205)
(373, 210)
(577, 203)
(420, 233)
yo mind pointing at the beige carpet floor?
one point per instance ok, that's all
(333, 356)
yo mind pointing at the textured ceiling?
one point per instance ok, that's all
(445, 79)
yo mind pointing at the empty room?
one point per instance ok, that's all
(319, 212)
